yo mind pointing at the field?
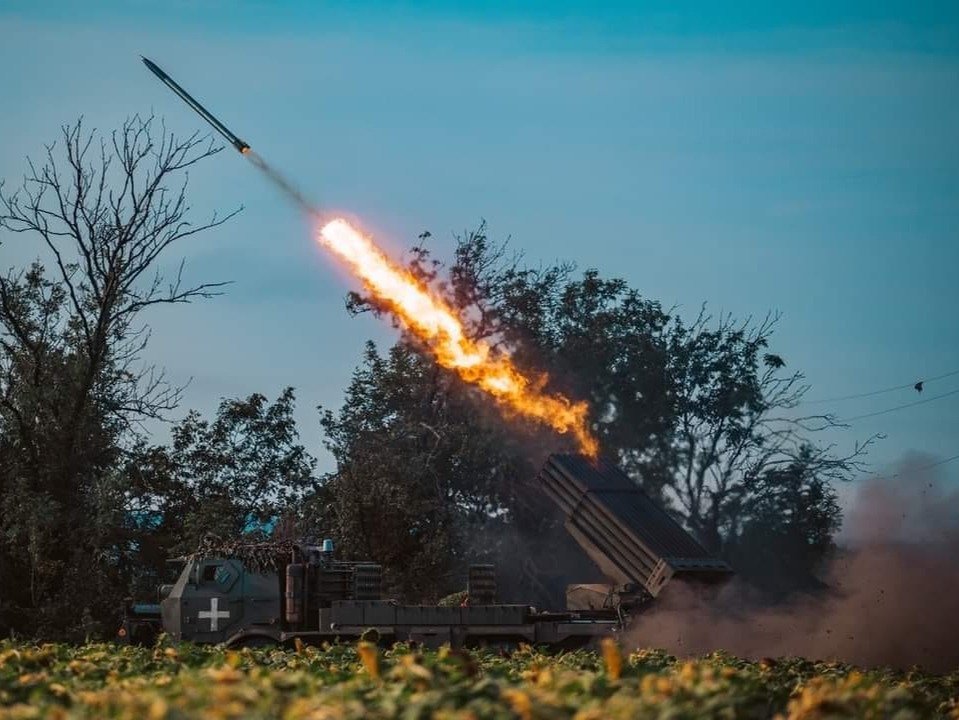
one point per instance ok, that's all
(105, 681)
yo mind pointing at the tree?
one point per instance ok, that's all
(785, 527)
(419, 475)
(232, 477)
(73, 388)
(698, 414)
(735, 423)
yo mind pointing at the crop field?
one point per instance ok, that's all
(105, 681)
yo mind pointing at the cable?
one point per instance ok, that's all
(907, 386)
(927, 466)
(938, 462)
(900, 407)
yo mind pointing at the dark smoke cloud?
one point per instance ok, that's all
(893, 597)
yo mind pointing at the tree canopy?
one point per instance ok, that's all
(430, 474)
(701, 414)
(105, 211)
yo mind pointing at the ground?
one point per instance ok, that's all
(363, 681)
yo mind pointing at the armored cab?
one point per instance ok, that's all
(262, 591)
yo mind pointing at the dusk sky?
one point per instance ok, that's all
(797, 159)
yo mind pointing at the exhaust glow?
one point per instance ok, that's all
(435, 323)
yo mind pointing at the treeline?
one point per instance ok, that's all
(429, 476)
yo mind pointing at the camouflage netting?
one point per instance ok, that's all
(262, 558)
(453, 600)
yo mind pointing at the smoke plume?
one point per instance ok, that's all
(282, 183)
(893, 597)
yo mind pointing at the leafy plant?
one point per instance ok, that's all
(342, 681)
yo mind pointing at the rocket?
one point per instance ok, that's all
(201, 111)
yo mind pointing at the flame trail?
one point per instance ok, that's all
(426, 316)
(434, 322)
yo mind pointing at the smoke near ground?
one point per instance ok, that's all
(893, 598)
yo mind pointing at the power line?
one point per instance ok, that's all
(938, 462)
(927, 466)
(900, 407)
(907, 386)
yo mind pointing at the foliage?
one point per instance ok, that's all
(784, 529)
(420, 472)
(230, 477)
(361, 682)
(428, 478)
(105, 211)
(700, 414)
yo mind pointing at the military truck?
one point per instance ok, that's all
(277, 592)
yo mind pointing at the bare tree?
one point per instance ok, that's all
(107, 217)
(736, 419)
(107, 210)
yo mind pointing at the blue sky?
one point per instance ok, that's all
(796, 159)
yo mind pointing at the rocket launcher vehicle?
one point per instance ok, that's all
(277, 593)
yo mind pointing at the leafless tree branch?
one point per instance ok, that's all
(108, 210)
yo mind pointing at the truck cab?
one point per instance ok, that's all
(216, 596)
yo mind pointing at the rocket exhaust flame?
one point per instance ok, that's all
(425, 315)
(436, 324)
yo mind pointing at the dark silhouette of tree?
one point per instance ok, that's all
(697, 413)
(783, 531)
(232, 477)
(735, 419)
(419, 474)
(107, 211)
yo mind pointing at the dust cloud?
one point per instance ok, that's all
(893, 597)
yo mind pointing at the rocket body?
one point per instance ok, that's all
(200, 110)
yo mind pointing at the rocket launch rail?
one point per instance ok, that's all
(631, 538)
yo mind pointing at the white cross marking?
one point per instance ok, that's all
(214, 614)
